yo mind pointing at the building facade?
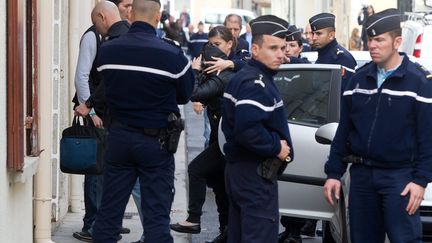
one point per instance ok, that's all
(39, 43)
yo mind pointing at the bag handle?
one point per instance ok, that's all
(77, 122)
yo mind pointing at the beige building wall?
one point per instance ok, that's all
(16, 210)
(198, 5)
(299, 11)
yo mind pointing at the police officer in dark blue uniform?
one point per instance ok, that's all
(197, 41)
(145, 78)
(329, 51)
(255, 127)
(385, 132)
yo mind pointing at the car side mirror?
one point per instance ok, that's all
(326, 133)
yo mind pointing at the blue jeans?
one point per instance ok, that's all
(376, 206)
(92, 198)
(136, 195)
(130, 155)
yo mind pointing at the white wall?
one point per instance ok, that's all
(16, 208)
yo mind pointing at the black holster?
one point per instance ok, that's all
(174, 129)
(271, 168)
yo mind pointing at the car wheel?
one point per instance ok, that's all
(327, 227)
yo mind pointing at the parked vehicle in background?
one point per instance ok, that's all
(216, 16)
(417, 35)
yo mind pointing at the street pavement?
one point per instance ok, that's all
(190, 145)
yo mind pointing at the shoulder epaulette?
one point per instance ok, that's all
(171, 42)
(424, 70)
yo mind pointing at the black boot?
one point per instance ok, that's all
(309, 228)
(283, 236)
(221, 238)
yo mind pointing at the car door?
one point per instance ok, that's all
(311, 95)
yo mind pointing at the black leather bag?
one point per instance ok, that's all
(82, 148)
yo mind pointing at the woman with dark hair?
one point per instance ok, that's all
(208, 167)
(364, 14)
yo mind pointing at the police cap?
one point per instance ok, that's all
(269, 25)
(383, 22)
(293, 33)
(322, 21)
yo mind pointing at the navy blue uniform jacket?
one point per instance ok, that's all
(253, 116)
(333, 53)
(145, 77)
(390, 126)
(196, 43)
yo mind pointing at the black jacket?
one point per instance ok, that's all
(209, 89)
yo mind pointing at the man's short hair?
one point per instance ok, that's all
(258, 40)
(395, 33)
(229, 16)
(116, 2)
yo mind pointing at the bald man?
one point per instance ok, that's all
(145, 79)
(106, 22)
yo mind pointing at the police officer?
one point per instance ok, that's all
(329, 51)
(385, 131)
(255, 127)
(145, 78)
(197, 41)
(294, 46)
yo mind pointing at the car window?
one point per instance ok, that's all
(212, 19)
(305, 95)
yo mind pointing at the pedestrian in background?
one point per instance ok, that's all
(141, 112)
(256, 131)
(363, 15)
(308, 41)
(355, 41)
(384, 132)
(197, 41)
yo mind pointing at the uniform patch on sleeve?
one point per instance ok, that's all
(339, 51)
(259, 81)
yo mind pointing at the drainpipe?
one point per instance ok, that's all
(79, 21)
(43, 190)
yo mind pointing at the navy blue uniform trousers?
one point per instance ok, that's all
(376, 206)
(131, 154)
(254, 207)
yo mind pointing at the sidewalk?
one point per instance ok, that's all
(72, 222)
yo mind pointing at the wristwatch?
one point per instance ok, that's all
(288, 159)
(89, 103)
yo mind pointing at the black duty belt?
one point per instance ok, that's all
(151, 132)
(354, 159)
